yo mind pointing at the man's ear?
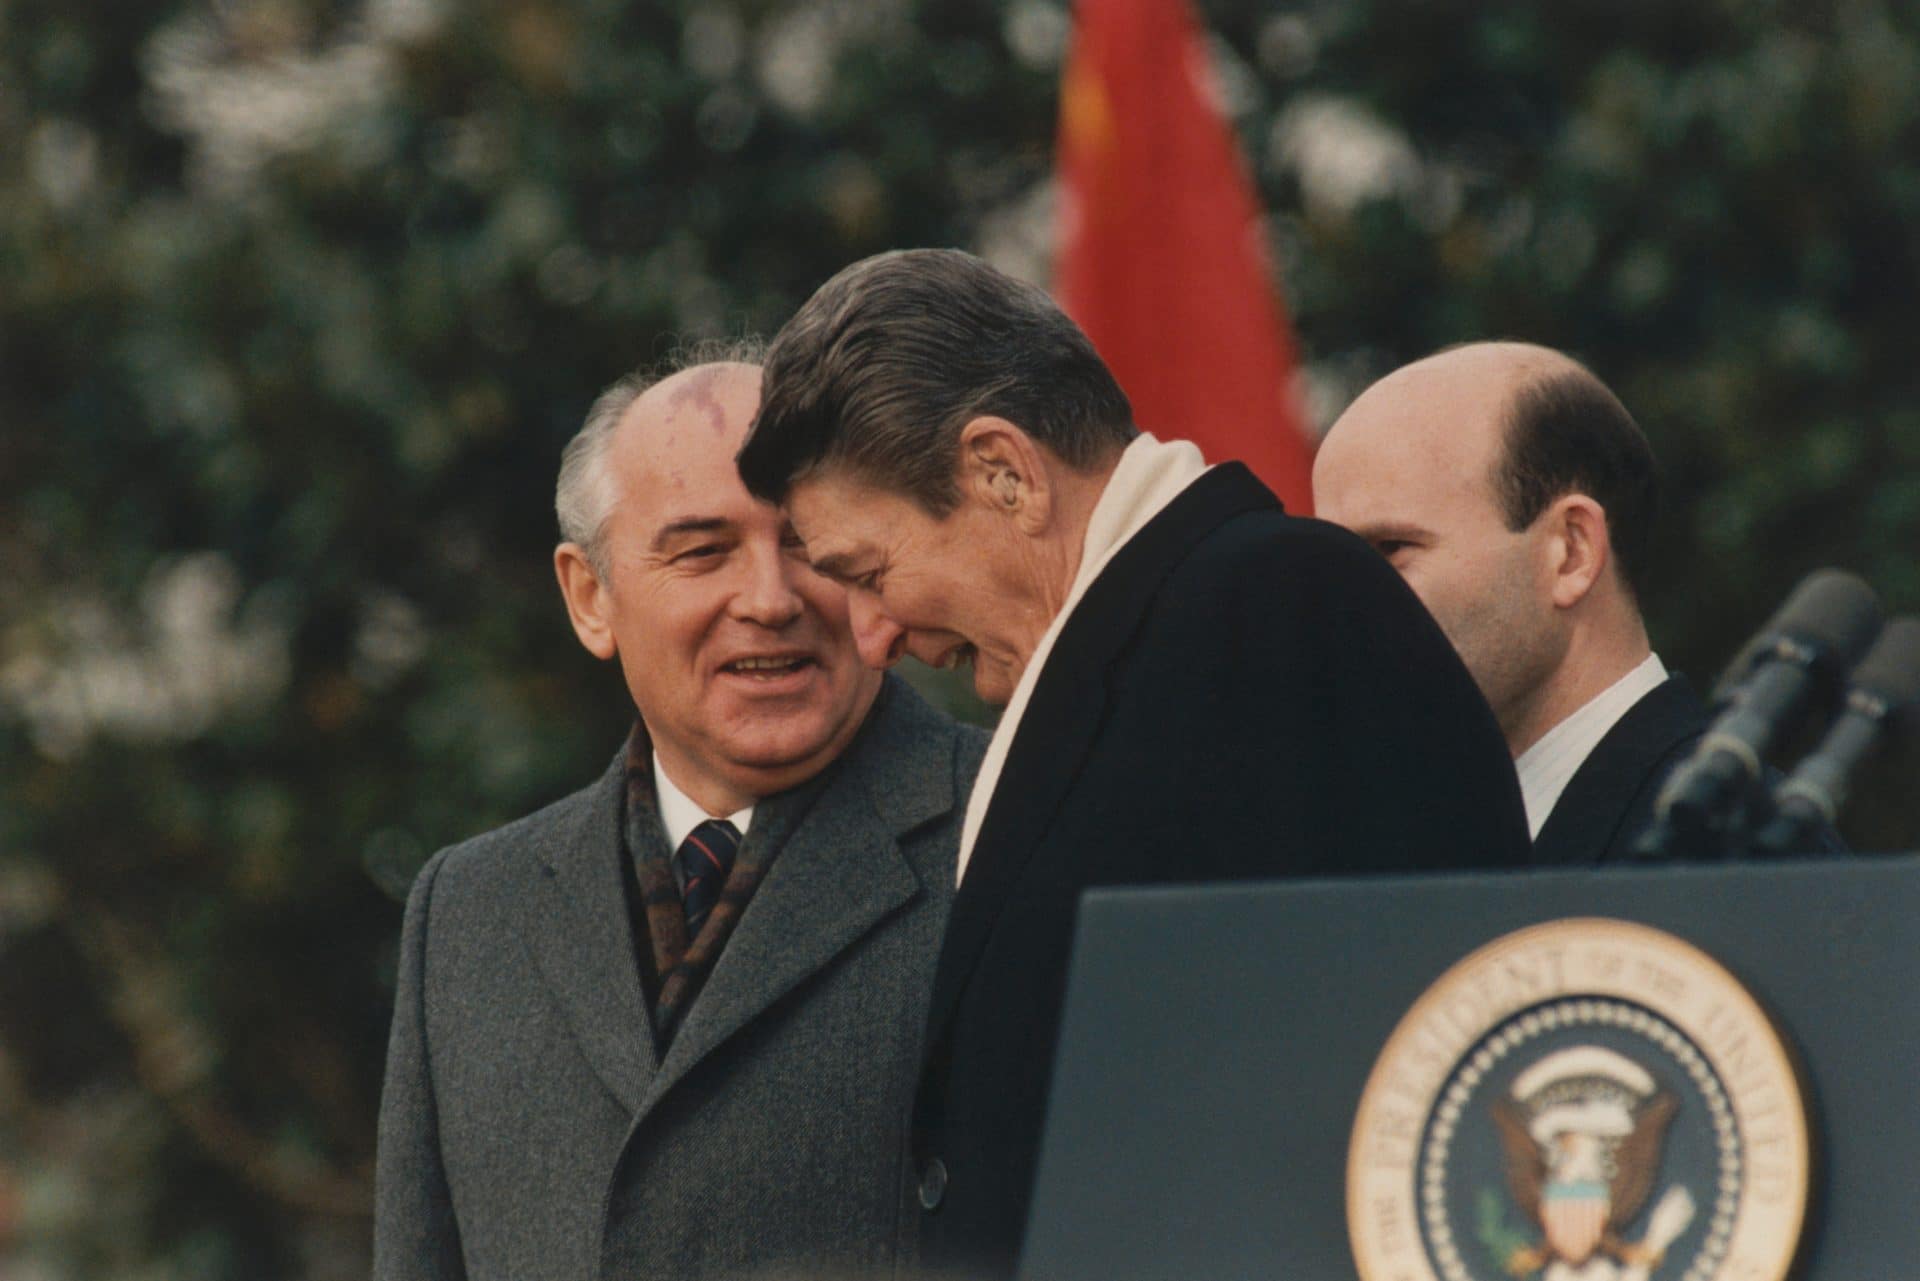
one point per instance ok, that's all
(1004, 469)
(588, 602)
(1580, 547)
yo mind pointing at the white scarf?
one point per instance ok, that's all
(1150, 475)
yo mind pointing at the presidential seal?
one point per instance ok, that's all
(1585, 1100)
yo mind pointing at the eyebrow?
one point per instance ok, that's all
(835, 564)
(688, 525)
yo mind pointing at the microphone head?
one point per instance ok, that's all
(1891, 669)
(1831, 612)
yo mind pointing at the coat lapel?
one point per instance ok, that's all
(583, 939)
(1045, 758)
(1614, 783)
(838, 873)
(1067, 709)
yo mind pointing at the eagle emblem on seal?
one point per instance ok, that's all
(1582, 1132)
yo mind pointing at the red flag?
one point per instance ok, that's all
(1163, 260)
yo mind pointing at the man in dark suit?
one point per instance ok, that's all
(670, 1026)
(1198, 686)
(1515, 494)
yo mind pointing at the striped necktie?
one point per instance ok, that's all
(704, 859)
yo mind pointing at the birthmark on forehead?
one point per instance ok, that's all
(696, 396)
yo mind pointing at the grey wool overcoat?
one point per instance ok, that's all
(531, 1129)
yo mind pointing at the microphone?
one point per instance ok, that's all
(1882, 694)
(1825, 625)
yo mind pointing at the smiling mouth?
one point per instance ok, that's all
(769, 668)
(953, 658)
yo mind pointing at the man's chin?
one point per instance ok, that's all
(775, 766)
(773, 740)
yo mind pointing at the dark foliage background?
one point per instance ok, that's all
(300, 298)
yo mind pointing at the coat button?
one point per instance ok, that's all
(933, 1184)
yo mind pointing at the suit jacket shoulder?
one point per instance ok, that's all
(1277, 669)
(498, 861)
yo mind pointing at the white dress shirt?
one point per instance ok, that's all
(680, 814)
(1150, 474)
(1546, 768)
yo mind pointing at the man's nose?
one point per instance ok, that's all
(880, 640)
(768, 596)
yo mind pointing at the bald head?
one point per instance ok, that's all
(1524, 422)
(1512, 492)
(1452, 414)
(1477, 377)
(587, 489)
(703, 409)
(674, 444)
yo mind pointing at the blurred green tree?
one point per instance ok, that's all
(302, 298)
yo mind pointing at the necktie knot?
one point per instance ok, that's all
(704, 859)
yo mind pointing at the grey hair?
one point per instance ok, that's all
(584, 496)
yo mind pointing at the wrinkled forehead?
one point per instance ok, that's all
(842, 516)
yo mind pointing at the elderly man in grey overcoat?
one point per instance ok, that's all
(670, 1026)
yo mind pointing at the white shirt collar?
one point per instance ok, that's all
(1549, 765)
(680, 813)
(1151, 473)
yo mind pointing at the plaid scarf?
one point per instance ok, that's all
(682, 963)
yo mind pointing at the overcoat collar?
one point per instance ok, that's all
(839, 872)
(1067, 706)
(1602, 794)
(579, 930)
